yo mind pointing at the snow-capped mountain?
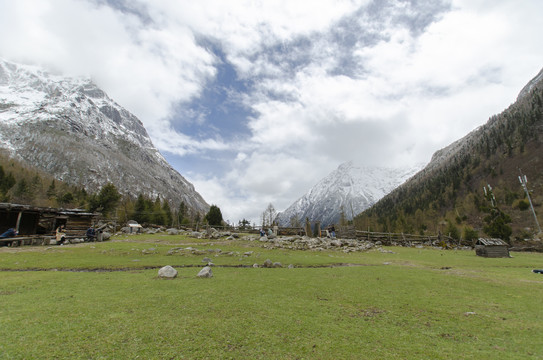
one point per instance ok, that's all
(72, 130)
(526, 90)
(350, 189)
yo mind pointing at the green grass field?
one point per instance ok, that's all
(105, 301)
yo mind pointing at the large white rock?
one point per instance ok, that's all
(167, 272)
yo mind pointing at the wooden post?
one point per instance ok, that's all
(18, 221)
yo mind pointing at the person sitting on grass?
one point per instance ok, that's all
(91, 234)
(61, 235)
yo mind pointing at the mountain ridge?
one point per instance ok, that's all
(349, 189)
(71, 129)
(449, 190)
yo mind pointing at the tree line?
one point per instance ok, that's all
(449, 197)
(22, 185)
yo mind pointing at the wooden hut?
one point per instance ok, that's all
(491, 248)
(33, 221)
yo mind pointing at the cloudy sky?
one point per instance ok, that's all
(255, 101)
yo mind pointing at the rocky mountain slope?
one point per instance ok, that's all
(71, 129)
(349, 189)
(449, 190)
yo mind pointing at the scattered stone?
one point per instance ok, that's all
(277, 265)
(206, 259)
(470, 313)
(172, 231)
(291, 266)
(174, 251)
(267, 264)
(205, 273)
(167, 272)
(256, 265)
(248, 253)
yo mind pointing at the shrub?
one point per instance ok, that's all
(523, 205)
(470, 234)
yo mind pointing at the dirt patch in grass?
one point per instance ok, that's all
(152, 267)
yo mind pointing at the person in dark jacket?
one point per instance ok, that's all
(11, 232)
(91, 234)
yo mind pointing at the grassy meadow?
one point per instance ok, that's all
(105, 301)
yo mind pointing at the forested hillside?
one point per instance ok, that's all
(449, 194)
(22, 184)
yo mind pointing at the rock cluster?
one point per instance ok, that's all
(168, 272)
(210, 233)
(316, 244)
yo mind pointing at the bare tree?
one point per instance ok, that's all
(268, 216)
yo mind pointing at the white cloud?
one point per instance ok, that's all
(326, 82)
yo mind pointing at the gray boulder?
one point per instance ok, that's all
(205, 273)
(267, 264)
(167, 272)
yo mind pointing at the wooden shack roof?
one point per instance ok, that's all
(45, 210)
(491, 242)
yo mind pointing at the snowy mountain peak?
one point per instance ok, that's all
(71, 129)
(529, 87)
(350, 188)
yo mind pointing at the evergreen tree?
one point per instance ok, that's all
(106, 200)
(51, 191)
(65, 199)
(6, 183)
(496, 225)
(140, 210)
(157, 217)
(22, 191)
(244, 224)
(167, 213)
(452, 231)
(214, 216)
(182, 213)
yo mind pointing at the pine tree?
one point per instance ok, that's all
(51, 191)
(167, 213)
(140, 210)
(214, 216)
(182, 213)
